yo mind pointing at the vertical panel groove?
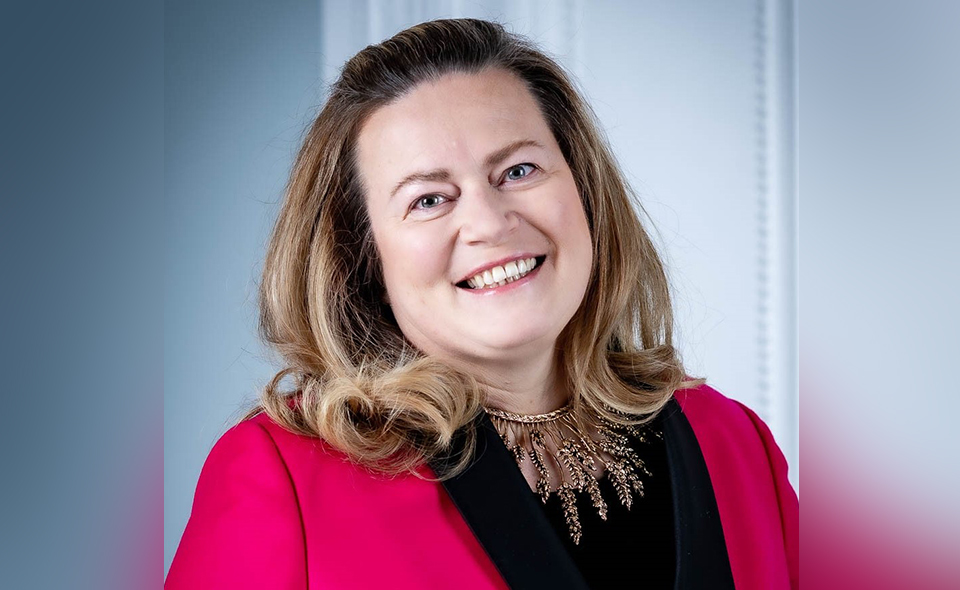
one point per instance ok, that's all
(763, 324)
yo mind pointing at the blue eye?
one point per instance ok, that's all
(428, 201)
(518, 172)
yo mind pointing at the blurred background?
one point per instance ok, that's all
(698, 99)
(143, 152)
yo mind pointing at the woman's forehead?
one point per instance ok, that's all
(457, 117)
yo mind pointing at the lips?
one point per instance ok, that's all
(502, 273)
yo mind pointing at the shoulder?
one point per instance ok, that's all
(717, 419)
(259, 443)
(758, 506)
(705, 405)
(728, 430)
(250, 456)
(704, 398)
(246, 515)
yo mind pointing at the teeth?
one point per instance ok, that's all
(499, 276)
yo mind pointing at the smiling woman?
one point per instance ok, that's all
(478, 330)
(497, 192)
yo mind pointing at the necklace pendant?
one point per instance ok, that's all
(567, 452)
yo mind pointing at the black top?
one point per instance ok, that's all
(631, 543)
(511, 524)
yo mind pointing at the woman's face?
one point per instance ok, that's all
(466, 186)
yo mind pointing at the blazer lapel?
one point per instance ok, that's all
(702, 560)
(496, 503)
(494, 500)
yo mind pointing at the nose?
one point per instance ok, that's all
(486, 216)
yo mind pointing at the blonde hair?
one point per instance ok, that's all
(358, 383)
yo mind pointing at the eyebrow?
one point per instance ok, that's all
(442, 174)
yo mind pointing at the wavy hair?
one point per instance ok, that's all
(357, 382)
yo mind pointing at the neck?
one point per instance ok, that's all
(535, 386)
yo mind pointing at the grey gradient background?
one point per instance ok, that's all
(81, 285)
(240, 84)
(85, 234)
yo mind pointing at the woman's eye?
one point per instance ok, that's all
(428, 202)
(518, 172)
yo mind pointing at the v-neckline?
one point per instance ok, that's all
(496, 502)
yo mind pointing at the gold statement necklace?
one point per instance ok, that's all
(571, 453)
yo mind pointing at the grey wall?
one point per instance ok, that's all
(696, 97)
(241, 84)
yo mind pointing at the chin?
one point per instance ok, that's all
(514, 342)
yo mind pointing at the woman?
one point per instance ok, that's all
(478, 329)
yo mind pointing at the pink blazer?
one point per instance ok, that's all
(278, 510)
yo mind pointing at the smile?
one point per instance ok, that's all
(500, 275)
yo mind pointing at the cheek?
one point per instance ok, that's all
(572, 221)
(575, 232)
(411, 263)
